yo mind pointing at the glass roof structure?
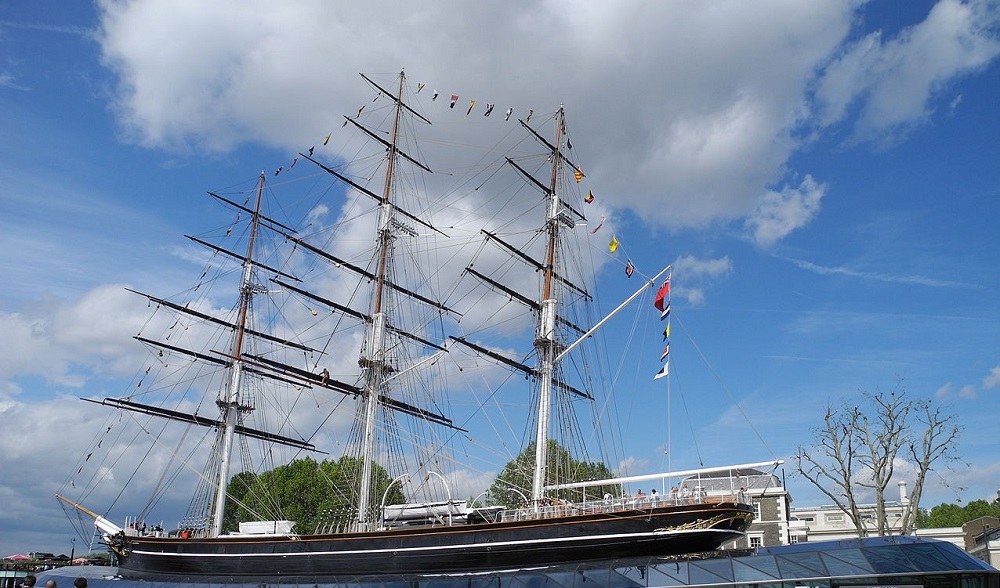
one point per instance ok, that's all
(883, 562)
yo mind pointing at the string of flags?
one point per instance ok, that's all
(662, 304)
(613, 247)
(490, 106)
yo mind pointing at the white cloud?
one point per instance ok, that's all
(9, 81)
(68, 343)
(780, 213)
(36, 453)
(722, 86)
(893, 82)
(693, 271)
(992, 380)
(694, 267)
(968, 392)
(632, 465)
(693, 121)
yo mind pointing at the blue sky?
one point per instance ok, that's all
(822, 175)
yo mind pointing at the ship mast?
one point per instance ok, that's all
(375, 365)
(230, 404)
(545, 342)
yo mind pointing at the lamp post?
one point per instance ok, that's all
(72, 551)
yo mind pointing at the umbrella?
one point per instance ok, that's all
(17, 556)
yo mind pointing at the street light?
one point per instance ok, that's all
(72, 551)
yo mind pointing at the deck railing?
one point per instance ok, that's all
(629, 503)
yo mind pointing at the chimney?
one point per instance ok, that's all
(903, 498)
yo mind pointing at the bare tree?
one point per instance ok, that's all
(880, 439)
(937, 442)
(858, 445)
(832, 460)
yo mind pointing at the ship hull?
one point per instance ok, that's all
(462, 548)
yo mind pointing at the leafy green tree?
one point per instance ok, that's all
(316, 495)
(953, 515)
(239, 487)
(513, 486)
(981, 508)
(945, 515)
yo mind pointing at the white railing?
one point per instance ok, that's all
(623, 504)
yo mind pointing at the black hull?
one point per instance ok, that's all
(464, 548)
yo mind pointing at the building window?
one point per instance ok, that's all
(835, 518)
(756, 511)
(794, 539)
(756, 541)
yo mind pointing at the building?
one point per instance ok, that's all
(982, 539)
(771, 525)
(830, 522)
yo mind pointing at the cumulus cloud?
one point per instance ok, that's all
(992, 380)
(968, 392)
(892, 82)
(949, 392)
(702, 113)
(64, 342)
(780, 213)
(709, 130)
(9, 81)
(694, 272)
(696, 267)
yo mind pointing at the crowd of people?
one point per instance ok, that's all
(684, 495)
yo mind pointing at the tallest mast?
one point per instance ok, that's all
(545, 341)
(375, 363)
(231, 405)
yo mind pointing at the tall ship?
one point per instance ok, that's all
(335, 417)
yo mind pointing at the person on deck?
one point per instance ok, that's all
(685, 494)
